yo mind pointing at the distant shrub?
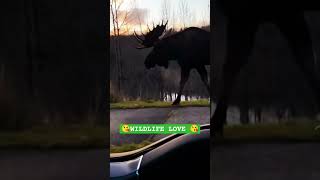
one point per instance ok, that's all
(150, 100)
(114, 98)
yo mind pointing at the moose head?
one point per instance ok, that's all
(159, 54)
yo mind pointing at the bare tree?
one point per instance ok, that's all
(31, 42)
(205, 16)
(119, 19)
(173, 19)
(141, 20)
(166, 10)
(184, 13)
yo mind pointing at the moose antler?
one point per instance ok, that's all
(151, 37)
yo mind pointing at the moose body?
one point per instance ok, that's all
(190, 48)
(243, 19)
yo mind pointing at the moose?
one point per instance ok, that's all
(189, 47)
(242, 21)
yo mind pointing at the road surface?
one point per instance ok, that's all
(54, 164)
(173, 115)
(177, 115)
(266, 161)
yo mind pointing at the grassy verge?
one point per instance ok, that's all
(156, 104)
(56, 137)
(128, 147)
(273, 132)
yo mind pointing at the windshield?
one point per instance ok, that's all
(168, 115)
(148, 85)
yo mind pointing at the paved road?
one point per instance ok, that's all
(266, 162)
(153, 116)
(54, 164)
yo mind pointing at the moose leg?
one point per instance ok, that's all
(240, 37)
(204, 76)
(184, 77)
(294, 28)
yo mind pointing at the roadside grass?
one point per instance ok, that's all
(291, 131)
(79, 136)
(128, 147)
(157, 104)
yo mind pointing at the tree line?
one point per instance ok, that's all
(53, 58)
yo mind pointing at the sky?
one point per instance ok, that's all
(145, 12)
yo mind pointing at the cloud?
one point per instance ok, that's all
(137, 16)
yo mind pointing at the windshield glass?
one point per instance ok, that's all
(168, 115)
(148, 84)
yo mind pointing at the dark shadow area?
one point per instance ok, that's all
(265, 93)
(53, 88)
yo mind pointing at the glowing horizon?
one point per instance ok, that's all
(140, 13)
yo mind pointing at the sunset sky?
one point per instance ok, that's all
(143, 12)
